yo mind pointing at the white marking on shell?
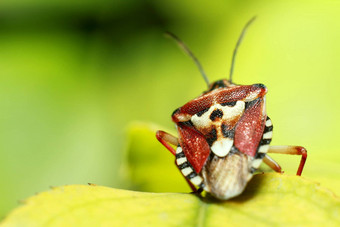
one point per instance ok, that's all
(263, 149)
(180, 161)
(197, 180)
(256, 163)
(178, 150)
(229, 112)
(268, 135)
(252, 95)
(183, 117)
(269, 123)
(222, 147)
(186, 171)
(264, 106)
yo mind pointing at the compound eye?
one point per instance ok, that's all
(229, 104)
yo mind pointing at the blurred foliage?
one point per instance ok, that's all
(74, 74)
(149, 166)
(270, 199)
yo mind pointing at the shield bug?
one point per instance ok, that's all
(224, 135)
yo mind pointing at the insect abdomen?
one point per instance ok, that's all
(227, 177)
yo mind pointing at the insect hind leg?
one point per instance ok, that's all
(294, 150)
(272, 164)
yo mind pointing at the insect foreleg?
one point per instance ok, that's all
(295, 150)
(166, 139)
(272, 164)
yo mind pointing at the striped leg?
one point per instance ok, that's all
(188, 171)
(181, 161)
(295, 150)
(263, 147)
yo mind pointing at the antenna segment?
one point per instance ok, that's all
(182, 45)
(237, 45)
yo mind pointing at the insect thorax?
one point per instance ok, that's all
(217, 124)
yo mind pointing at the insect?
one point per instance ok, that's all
(224, 135)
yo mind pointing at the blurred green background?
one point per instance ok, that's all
(74, 74)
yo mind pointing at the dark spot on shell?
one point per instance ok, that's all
(229, 104)
(216, 114)
(211, 137)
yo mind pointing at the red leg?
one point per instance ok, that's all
(166, 139)
(296, 150)
(272, 164)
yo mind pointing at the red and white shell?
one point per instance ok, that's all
(223, 135)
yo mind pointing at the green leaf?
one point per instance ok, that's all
(270, 199)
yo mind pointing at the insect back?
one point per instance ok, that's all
(224, 135)
(220, 134)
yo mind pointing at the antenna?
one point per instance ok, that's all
(182, 45)
(237, 45)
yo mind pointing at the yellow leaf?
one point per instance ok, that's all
(270, 199)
